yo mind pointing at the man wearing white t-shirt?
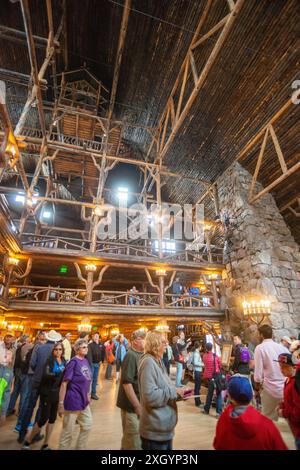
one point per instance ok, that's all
(267, 372)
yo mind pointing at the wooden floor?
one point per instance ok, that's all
(194, 430)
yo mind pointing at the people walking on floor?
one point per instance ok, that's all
(242, 427)
(95, 357)
(128, 396)
(267, 373)
(49, 395)
(23, 340)
(179, 360)
(67, 346)
(183, 345)
(110, 358)
(289, 408)
(121, 344)
(7, 357)
(212, 369)
(197, 364)
(74, 398)
(40, 354)
(242, 357)
(167, 357)
(157, 396)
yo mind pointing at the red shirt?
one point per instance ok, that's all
(291, 406)
(208, 359)
(249, 431)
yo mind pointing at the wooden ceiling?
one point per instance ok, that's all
(250, 81)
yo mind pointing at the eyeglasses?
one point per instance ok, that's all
(83, 347)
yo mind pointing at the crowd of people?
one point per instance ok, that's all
(57, 378)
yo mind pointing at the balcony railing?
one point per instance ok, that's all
(109, 248)
(44, 294)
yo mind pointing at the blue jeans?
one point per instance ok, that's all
(95, 369)
(29, 409)
(156, 445)
(179, 374)
(209, 397)
(20, 388)
(14, 396)
(25, 381)
(297, 444)
(197, 377)
(108, 371)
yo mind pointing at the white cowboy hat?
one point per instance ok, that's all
(52, 335)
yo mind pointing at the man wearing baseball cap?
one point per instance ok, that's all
(241, 426)
(290, 407)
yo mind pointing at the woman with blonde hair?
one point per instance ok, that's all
(158, 396)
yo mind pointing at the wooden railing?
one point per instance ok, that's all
(108, 248)
(42, 294)
(56, 137)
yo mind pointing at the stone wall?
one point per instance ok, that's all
(262, 258)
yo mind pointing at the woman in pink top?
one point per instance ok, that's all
(212, 368)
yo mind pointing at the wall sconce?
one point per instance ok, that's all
(99, 211)
(160, 272)
(13, 261)
(90, 268)
(162, 327)
(114, 331)
(84, 325)
(256, 308)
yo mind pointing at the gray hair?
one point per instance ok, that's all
(79, 343)
(138, 334)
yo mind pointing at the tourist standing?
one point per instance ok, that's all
(128, 397)
(17, 376)
(157, 396)
(74, 398)
(95, 356)
(110, 358)
(40, 354)
(286, 342)
(176, 291)
(67, 346)
(212, 369)
(242, 427)
(7, 357)
(121, 344)
(179, 360)
(198, 365)
(49, 395)
(167, 357)
(267, 373)
(289, 408)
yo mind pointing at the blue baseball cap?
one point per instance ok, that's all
(240, 390)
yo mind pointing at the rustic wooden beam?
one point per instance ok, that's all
(122, 37)
(258, 163)
(278, 149)
(275, 183)
(211, 60)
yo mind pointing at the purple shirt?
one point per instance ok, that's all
(79, 377)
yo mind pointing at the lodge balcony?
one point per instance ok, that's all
(67, 300)
(111, 252)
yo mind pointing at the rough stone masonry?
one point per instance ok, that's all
(261, 256)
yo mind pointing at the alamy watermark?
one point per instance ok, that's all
(167, 222)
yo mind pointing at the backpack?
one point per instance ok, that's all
(244, 355)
